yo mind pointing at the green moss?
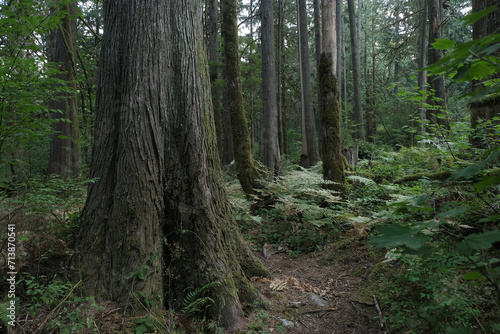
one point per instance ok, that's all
(329, 116)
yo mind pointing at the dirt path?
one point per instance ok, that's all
(335, 275)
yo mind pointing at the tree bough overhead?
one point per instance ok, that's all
(158, 222)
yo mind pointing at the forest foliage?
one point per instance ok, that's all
(430, 199)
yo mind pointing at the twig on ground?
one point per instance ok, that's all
(380, 317)
(326, 310)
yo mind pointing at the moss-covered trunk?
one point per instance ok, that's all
(157, 223)
(245, 167)
(329, 112)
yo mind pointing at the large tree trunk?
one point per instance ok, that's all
(245, 167)
(270, 151)
(213, 27)
(436, 115)
(329, 113)
(310, 154)
(65, 154)
(158, 219)
(487, 108)
(357, 110)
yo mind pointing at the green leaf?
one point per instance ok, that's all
(397, 235)
(443, 44)
(471, 170)
(473, 275)
(476, 16)
(141, 329)
(478, 241)
(453, 212)
(487, 182)
(459, 330)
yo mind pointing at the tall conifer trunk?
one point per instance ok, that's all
(310, 154)
(65, 155)
(248, 174)
(158, 220)
(329, 114)
(269, 146)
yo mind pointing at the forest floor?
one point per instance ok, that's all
(326, 292)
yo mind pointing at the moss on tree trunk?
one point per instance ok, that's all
(157, 223)
(245, 168)
(329, 117)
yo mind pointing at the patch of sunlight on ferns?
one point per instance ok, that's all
(196, 300)
(365, 181)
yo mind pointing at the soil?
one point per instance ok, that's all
(339, 275)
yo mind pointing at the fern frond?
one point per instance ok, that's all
(196, 301)
(364, 180)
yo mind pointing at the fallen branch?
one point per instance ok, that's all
(380, 317)
(326, 310)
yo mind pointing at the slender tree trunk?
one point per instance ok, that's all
(213, 26)
(245, 167)
(159, 199)
(65, 154)
(437, 85)
(310, 153)
(333, 165)
(358, 111)
(339, 25)
(422, 60)
(281, 86)
(270, 152)
(370, 91)
(317, 30)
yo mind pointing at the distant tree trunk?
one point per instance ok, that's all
(282, 136)
(339, 26)
(158, 221)
(358, 111)
(370, 91)
(422, 60)
(251, 93)
(65, 154)
(437, 85)
(487, 108)
(329, 114)
(213, 26)
(310, 154)
(270, 151)
(245, 167)
(317, 31)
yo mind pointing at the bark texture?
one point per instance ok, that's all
(65, 155)
(310, 154)
(329, 113)
(245, 167)
(436, 83)
(356, 72)
(213, 32)
(158, 221)
(269, 145)
(488, 107)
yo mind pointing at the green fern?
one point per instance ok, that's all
(196, 301)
